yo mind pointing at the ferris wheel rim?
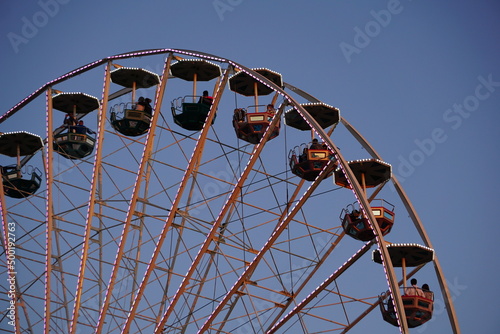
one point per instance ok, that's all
(280, 90)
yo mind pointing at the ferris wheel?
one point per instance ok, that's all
(173, 191)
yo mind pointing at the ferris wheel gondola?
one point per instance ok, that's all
(418, 303)
(74, 140)
(18, 144)
(189, 113)
(133, 118)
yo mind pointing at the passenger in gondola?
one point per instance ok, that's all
(414, 290)
(426, 291)
(270, 111)
(147, 106)
(390, 308)
(141, 104)
(355, 214)
(69, 120)
(239, 114)
(303, 156)
(206, 99)
(82, 129)
(315, 145)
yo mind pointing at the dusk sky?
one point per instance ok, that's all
(419, 79)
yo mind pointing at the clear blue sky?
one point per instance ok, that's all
(419, 79)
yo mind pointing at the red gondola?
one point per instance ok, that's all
(307, 162)
(356, 226)
(251, 126)
(418, 304)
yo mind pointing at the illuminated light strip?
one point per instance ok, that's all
(48, 213)
(14, 132)
(90, 208)
(410, 245)
(366, 247)
(131, 209)
(366, 160)
(194, 60)
(75, 93)
(259, 69)
(135, 68)
(314, 104)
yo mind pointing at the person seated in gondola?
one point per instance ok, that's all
(69, 120)
(414, 290)
(206, 99)
(239, 114)
(270, 111)
(357, 219)
(147, 106)
(82, 129)
(426, 291)
(141, 104)
(355, 214)
(303, 156)
(390, 308)
(315, 145)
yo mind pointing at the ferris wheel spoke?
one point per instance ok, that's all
(91, 212)
(252, 266)
(321, 287)
(310, 275)
(134, 199)
(194, 160)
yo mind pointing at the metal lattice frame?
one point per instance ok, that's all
(185, 232)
